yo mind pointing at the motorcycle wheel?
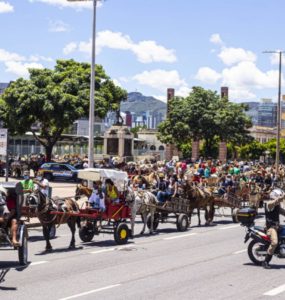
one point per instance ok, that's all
(256, 258)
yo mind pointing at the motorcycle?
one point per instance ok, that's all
(260, 241)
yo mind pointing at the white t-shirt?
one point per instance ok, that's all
(45, 183)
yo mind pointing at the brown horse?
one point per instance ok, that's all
(46, 205)
(200, 199)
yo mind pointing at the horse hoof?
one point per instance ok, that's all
(48, 250)
(71, 247)
(151, 233)
(141, 233)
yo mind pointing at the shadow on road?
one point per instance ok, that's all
(59, 250)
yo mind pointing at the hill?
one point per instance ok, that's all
(138, 103)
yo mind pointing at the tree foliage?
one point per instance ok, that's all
(203, 115)
(54, 99)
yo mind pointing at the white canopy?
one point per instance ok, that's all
(119, 178)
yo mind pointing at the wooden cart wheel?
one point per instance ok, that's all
(23, 249)
(121, 234)
(182, 223)
(155, 221)
(86, 234)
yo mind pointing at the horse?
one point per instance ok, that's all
(46, 205)
(200, 199)
(141, 202)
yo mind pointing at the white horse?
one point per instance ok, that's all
(144, 203)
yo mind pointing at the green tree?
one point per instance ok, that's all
(54, 99)
(203, 115)
(136, 129)
(252, 150)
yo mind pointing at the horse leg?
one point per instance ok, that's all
(144, 214)
(71, 224)
(151, 221)
(46, 232)
(198, 214)
(133, 218)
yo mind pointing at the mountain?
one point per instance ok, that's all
(138, 103)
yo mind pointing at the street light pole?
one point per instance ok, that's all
(277, 161)
(92, 88)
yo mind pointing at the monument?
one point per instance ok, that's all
(118, 140)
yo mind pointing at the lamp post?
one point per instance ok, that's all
(92, 87)
(278, 110)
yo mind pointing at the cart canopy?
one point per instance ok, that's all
(119, 178)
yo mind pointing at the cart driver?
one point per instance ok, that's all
(97, 198)
(9, 216)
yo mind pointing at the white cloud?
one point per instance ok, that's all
(5, 56)
(36, 58)
(230, 56)
(246, 75)
(160, 79)
(149, 51)
(162, 98)
(183, 91)
(20, 68)
(64, 3)
(5, 7)
(58, 26)
(241, 95)
(69, 48)
(216, 39)
(274, 59)
(207, 75)
(145, 51)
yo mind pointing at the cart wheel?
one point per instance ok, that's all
(234, 215)
(121, 234)
(23, 249)
(86, 234)
(182, 222)
(155, 221)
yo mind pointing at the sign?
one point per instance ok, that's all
(3, 141)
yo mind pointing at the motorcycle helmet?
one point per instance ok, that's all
(276, 193)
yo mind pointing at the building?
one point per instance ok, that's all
(81, 127)
(3, 86)
(263, 134)
(267, 113)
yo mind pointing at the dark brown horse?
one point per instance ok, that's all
(200, 199)
(46, 205)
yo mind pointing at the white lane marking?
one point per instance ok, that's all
(229, 227)
(91, 292)
(180, 236)
(111, 249)
(240, 251)
(275, 291)
(35, 263)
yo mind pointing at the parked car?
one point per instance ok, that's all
(53, 171)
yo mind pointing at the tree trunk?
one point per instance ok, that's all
(48, 149)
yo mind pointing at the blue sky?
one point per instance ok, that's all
(149, 45)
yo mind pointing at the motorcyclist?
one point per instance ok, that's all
(272, 212)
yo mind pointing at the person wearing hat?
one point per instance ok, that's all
(162, 185)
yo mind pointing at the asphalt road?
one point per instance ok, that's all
(202, 263)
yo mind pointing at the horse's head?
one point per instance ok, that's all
(33, 200)
(82, 190)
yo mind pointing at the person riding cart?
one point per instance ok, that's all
(97, 198)
(8, 214)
